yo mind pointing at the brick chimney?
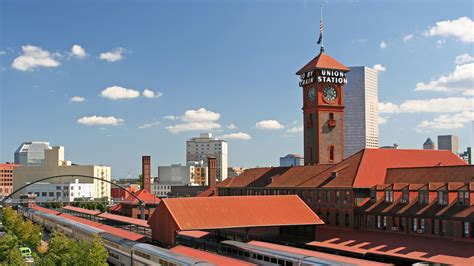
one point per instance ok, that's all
(212, 171)
(146, 172)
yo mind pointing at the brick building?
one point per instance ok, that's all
(350, 194)
(6, 178)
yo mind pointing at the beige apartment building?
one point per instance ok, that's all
(54, 165)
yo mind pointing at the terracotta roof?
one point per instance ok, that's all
(341, 260)
(110, 229)
(82, 210)
(365, 169)
(209, 257)
(297, 175)
(375, 162)
(212, 191)
(339, 175)
(322, 61)
(248, 176)
(116, 208)
(124, 219)
(201, 213)
(459, 173)
(416, 248)
(194, 233)
(143, 195)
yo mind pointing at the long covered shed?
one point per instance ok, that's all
(265, 217)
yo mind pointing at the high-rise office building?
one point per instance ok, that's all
(292, 160)
(448, 142)
(361, 128)
(199, 149)
(31, 153)
(429, 145)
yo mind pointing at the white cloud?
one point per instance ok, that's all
(100, 120)
(440, 43)
(77, 99)
(383, 45)
(388, 108)
(200, 115)
(78, 51)
(231, 126)
(113, 55)
(193, 126)
(297, 129)
(152, 124)
(379, 67)
(2, 52)
(151, 94)
(383, 119)
(269, 125)
(461, 28)
(170, 117)
(33, 57)
(447, 122)
(458, 81)
(408, 37)
(200, 119)
(239, 135)
(117, 93)
(463, 59)
(438, 105)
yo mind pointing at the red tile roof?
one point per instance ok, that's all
(124, 219)
(375, 162)
(336, 258)
(110, 229)
(212, 191)
(82, 210)
(194, 233)
(297, 175)
(322, 61)
(143, 195)
(365, 169)
(247, 177)
(200, 213)
(209, 257)
(417, 248)
(422, 175)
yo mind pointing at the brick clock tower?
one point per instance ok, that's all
(322, 80)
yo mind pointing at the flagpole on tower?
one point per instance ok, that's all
(321, 39)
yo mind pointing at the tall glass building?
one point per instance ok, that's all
(361, 125)
(31, 153)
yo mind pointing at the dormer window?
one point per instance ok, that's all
(463, 198)
(423, 196)
(443, 197)
(388, 195)
(405, 196)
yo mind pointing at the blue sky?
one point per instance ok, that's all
(220, 65)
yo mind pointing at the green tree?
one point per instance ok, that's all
(7, 243)
(61, 251)
(14, 258)
(93, 253)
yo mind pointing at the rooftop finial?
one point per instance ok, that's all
(320, 40)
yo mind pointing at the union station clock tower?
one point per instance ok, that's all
(322, 80)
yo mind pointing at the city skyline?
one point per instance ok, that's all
(122, 97)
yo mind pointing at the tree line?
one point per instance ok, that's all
(60, 250)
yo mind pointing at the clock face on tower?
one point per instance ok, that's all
(330, 94)
(312, 94)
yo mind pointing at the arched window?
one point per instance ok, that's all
(331, 153)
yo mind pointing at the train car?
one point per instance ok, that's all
(145, 254)
(120, 249)
(268, 256)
